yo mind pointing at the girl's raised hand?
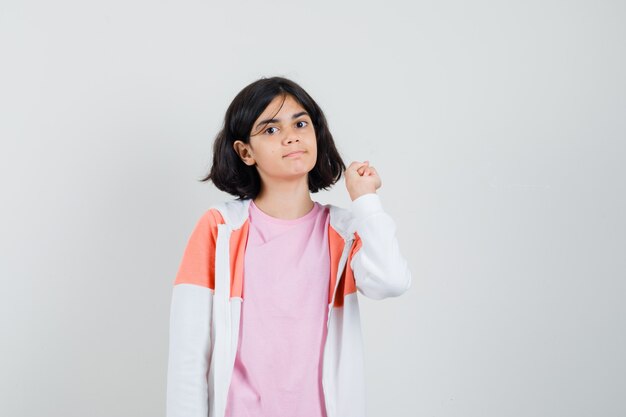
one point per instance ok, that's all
(361, 179)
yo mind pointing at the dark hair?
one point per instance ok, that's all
(230, 174)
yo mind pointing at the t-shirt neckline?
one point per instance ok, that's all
(260, 213)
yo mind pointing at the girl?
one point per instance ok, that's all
(264, 316)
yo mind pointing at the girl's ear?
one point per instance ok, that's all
(244, 152)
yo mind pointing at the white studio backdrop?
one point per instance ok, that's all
(498, 129)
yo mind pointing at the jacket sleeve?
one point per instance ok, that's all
(190, 325)
(380, 270)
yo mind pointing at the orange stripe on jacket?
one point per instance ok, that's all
(347, 284)
(198, 264)
(238, 241)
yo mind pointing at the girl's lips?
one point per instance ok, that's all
(296, 153)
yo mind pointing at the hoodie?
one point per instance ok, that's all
(207, 297)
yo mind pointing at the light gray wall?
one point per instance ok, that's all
(498, 130)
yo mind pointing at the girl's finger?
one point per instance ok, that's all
(359, 164)
(358, 167)
(361, 167)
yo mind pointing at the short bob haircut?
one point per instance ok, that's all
(230, 174)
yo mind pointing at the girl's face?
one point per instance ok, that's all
(282, 145)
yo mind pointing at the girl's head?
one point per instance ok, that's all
(266, 121)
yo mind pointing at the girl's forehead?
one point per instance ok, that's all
(280, 105)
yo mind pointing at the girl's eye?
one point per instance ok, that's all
(300, 124)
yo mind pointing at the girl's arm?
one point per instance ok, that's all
(190, 325)
(379, 268)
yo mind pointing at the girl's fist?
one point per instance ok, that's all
(361, 178)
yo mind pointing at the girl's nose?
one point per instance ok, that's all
(291, 136)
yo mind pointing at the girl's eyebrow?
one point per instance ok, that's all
(295, 116)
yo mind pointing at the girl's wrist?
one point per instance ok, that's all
(365, 206)
(355, 195)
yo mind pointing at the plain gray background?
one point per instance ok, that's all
(497, 128)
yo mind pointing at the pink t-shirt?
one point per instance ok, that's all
(278, 367)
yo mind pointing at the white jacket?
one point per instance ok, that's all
(206, 305)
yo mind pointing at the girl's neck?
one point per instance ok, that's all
(284, 202)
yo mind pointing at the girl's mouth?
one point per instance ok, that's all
(294, 154)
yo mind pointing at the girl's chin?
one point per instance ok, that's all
(289, 173)
(292, 176)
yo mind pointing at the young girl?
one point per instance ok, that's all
(264, 313)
